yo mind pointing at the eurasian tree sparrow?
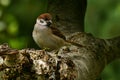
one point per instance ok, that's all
(46, 35)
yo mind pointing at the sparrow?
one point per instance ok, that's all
(46, 35)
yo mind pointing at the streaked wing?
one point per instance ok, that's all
(57, 32)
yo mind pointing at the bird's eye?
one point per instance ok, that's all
(41, 21)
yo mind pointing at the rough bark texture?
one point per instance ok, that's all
(68, 14)
(70, 62)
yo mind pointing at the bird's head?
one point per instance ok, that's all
(44, 19)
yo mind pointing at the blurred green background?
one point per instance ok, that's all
(17, 19)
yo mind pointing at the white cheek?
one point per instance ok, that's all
(44, 23)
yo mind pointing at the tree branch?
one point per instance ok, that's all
(70, 62)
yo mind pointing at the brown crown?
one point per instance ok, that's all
(45, 16)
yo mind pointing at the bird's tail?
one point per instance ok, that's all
(73, 43)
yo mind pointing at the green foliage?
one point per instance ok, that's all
(102, 18)
(112, 71)
(17, 19)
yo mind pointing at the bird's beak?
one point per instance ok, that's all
(49, 23)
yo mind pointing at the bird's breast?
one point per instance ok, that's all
(46, 39)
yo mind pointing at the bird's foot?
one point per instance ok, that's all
(46, 49)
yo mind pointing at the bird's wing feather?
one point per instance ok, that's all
(57, 32)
